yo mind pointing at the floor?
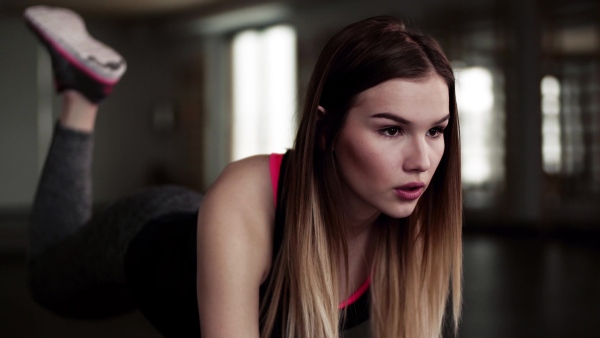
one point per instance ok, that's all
(527, 286)
(514, 286)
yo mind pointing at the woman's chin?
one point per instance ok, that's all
(401, 212)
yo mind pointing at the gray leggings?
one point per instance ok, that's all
(76, 260)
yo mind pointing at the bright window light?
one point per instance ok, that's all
(551, 147)
(475, 100)
(264, 91)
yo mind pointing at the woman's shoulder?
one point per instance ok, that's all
(248, 177)
(234, 251)
(245, 185)
(239, 205)
(253, 167)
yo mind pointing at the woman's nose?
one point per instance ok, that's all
(416, 157)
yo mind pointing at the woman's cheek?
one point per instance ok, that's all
(439, 152)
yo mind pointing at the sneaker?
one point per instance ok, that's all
(79, 61)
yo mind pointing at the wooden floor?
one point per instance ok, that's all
(514, 286)
(527, 286)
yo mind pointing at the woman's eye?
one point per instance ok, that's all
(436, 132)
(391, 131)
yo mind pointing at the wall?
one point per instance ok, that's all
(18, 114)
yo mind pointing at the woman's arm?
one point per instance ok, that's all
(235, 231)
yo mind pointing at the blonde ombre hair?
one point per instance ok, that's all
(417, 265)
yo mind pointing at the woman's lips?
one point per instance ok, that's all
(410, 191)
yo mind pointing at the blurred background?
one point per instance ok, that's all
(211, 81)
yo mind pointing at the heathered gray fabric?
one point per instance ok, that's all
(75, 257)
(63, 199)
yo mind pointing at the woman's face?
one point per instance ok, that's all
(390, 146)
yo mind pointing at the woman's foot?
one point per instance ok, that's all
(79, 61)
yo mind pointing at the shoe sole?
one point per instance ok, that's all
(65, 32)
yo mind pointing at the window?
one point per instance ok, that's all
(475, 101)
(551, 147)
(481, 134)
(264, 91)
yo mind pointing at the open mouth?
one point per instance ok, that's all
(410, 191)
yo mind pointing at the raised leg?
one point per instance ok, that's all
(76, 260)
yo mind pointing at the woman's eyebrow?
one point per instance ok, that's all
(404, 121)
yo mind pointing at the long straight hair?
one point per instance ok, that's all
(418, 260)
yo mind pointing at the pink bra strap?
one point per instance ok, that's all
(356, 295)
(274, 167)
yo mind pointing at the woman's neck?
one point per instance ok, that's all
(360, 225)
(360, 259)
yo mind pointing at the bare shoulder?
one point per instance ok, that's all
(235, 231)
(241, 200)
(250, 174)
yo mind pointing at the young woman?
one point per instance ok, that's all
(361, 219)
